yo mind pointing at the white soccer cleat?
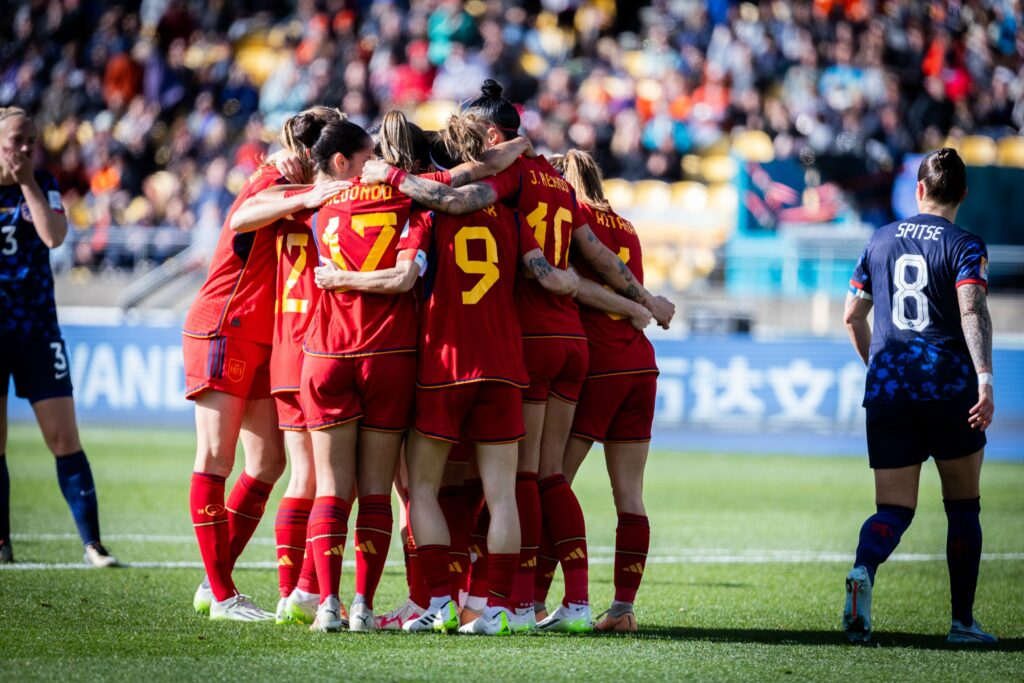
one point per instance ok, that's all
(328, 616)
(394, 620)
(238, 608)
(969, 635)
(203, 598)
(300, 607)
(857, 613)
(523, 620)
(99, 557)
(490, 623)
(443, 619)
(361, 618)
(571, 619)
(281, 615)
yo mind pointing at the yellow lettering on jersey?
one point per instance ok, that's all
(624, 255)
(387, 222)
(537, 219)
(487, 268)
(286, 304)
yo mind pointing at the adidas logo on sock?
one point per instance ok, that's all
(529, 564)
(285, 561)
(455, 567)
(635, 569)
(338, 550)
(576, 554)
(367, 547)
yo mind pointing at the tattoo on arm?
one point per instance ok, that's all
(450, 200)
(540, 267)
(977, 325)
(461, 177)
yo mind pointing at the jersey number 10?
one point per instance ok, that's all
(905, 315)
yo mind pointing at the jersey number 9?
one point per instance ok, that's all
(488, 267)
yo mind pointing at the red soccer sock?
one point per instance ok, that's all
(308, 582)
(547, 563)
(528, 502)
(373, 538)
(501, 575)
(632, 540)
(328, 527)
(455, 507)
(564, 517)
(246, 505)
(478, 546)
(434, 560)
(290, 534)
(210, 519)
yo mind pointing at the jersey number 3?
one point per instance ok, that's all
(909, 303)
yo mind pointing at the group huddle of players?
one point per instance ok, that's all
(442, 312)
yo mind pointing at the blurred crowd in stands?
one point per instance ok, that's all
(152, 113)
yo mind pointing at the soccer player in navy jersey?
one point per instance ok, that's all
(929, 385)
(31, 349)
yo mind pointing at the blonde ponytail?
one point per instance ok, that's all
(581, 171)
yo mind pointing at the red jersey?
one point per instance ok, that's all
(547, 204)
(237, 299)
(363, 227)
(470, 330)
(615, 345)
(297, 297)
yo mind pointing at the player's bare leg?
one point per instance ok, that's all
(425, 459)
(56, 418)
(563, 518)
(218, 422)
(375, 470)
(290, 531)
(626, 463)
(576, 451)
(961, 496)
(334, 458)
(895, 500)
(497, 466)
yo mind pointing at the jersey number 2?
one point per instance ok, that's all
(286, 304)
(906, 315)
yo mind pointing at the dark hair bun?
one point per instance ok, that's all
(491, 89)
(944, 176)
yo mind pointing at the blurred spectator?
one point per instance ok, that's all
(153, 113)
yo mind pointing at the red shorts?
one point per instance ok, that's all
(557, 367)
(290, 416)
(483, 412)
(616, 408)
(379, 389)
(235, 366)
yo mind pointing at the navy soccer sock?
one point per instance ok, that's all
(963, 555)
(76, 484)
(5, 500)
(880, 535)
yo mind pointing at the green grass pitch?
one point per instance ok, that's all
(745, 581)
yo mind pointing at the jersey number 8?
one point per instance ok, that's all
(905, 316)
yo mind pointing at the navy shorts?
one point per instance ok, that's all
(39, 366)
(904, 434)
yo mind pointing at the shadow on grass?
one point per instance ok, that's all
(919, 641)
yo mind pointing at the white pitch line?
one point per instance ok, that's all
(772, 557)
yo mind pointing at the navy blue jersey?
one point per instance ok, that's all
(911, 269)
(26, 281)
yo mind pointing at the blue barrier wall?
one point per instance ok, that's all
(714, 393)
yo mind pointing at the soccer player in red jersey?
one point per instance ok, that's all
(469, 379)
(296, 298)
(227, 344)
(554, 346)
(616, 405)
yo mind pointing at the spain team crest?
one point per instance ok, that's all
(236, 370)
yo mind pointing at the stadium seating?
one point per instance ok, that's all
(1010, 151)
(978, 150)
(753, 145)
